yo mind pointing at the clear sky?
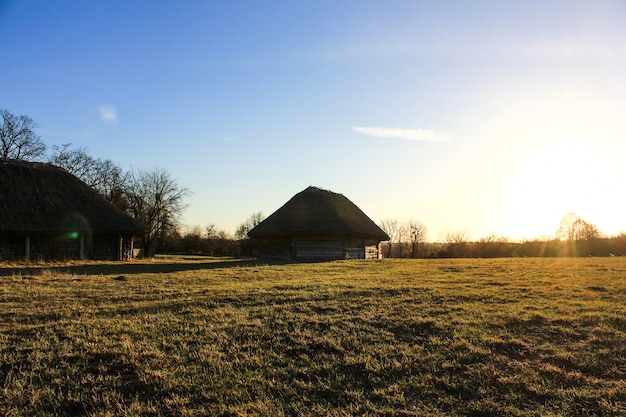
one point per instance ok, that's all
(492, 117)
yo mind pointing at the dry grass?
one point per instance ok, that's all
(201, 336)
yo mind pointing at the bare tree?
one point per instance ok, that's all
(210, 231)
(392, 228)
(417, 234)
(456, 244)
(402, 240)
(491, 246)
(76, 161)
(18, 139)
(156, 200)
(192, 241)
(100, 174)
(220, 242)
(567, 230)
(579, 233)
(249, 224)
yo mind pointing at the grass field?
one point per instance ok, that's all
(197, 336)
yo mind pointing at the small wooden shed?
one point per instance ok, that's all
(47, 213)
(318, 224)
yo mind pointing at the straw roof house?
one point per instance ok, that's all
(318, 224)
(47, 213)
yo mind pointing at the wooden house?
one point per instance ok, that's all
(47, 213)
(317, 224)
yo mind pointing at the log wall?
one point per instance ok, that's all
(317, 248)
(65, 246)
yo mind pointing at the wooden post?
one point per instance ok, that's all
(27, 248)
(81, 249)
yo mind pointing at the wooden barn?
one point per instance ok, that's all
(317, 224)
(47, 213)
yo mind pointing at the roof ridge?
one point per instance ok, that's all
(313, 188)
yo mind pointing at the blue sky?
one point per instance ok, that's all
(482, 117)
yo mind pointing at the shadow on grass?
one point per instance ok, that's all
(136, 267)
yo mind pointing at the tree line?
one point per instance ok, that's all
(574, 237)
(213, 241)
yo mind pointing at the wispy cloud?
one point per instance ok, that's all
(108, 113)
(424, 135)
(227, 139)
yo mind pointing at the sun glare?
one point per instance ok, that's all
(561, 177)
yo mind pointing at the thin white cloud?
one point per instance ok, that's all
(423, 135)
(227, 139)
(108, 113)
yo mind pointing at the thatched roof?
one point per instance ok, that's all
(37, 197)
(318, 212)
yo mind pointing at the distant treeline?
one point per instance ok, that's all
(209, 241)
(212, 242)
(574, 237)
(502, 248)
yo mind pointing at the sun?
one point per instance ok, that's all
(562, 176)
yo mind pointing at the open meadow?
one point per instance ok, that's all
(202, 336)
